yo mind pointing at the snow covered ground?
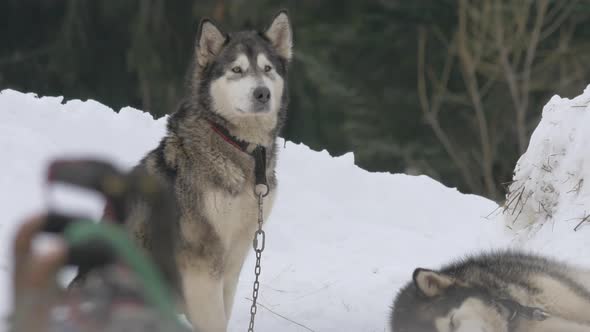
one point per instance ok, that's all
(341, 240)
(549, 201)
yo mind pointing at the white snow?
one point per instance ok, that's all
(340, 242)
(550, 195)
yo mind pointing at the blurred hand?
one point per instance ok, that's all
(35, 286)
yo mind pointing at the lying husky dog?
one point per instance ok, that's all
(498, 292)
(235, 109)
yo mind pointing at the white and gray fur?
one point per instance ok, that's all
(239, 82)
(495, 292)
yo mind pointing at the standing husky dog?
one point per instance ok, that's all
(498, 292)
(235, 109)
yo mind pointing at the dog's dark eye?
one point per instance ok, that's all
(267, 68)
(237, 70)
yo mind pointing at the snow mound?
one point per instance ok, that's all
(550, 195)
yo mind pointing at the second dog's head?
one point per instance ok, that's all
(241, 77)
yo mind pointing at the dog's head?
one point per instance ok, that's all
(437, 302)
(242, 76)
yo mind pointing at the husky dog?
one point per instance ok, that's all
(220, 144)
(503, 291)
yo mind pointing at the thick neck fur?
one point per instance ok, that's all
(193, 121)
(190, 132)
(258, 130)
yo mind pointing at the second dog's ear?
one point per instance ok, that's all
(280, 35)
(431, 283)
(210, 40)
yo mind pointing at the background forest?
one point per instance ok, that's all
(447, 88)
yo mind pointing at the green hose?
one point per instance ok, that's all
(154, 288)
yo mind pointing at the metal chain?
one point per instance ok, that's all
(258, 244)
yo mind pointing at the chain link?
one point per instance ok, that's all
(258, 244)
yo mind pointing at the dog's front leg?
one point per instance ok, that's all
(229, 291)
(204, 301)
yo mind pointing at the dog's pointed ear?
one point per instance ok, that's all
(280, 35)
(431, 283)
(210, 40)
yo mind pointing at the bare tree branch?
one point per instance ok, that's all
(431, 110)
(521, 112)
(501, 61)
(470, 78)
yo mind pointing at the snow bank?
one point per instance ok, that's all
(340, 240)
(549, 200)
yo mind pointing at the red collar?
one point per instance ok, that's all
(224, 133)
(259, 153)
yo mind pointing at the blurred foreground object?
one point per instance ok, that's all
(125, 292)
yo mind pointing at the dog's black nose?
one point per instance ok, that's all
(262, 94)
